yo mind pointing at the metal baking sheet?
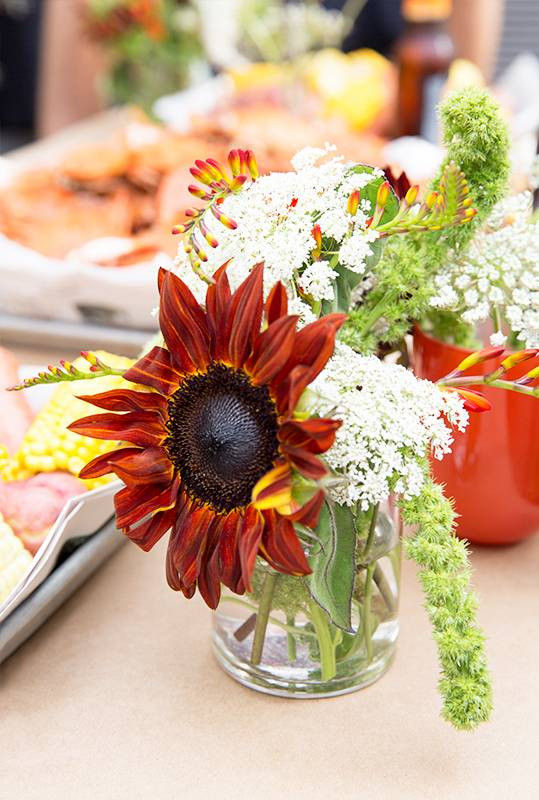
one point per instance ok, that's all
(65, 579)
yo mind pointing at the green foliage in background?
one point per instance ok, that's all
(151, 45)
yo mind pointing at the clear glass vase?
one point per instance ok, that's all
(299, 652)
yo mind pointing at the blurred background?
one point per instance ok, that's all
(106, 103)
(61, 60)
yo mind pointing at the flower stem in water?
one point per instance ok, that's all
(328, 663)
(291, 642)
(264, 608)
(367, 623)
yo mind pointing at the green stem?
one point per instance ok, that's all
(377, 312)
(372, 531)
(384, 588)
(295, 631)
(328, 662)
(367, 628)
(290, 641)
(482, 380)
(262, 617)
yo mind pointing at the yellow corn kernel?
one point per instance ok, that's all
(14, 560)
(49, 446)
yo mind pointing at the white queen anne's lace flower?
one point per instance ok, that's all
(275, 217)
(498, 275)
(391, 420)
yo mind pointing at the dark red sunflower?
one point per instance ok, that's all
(214, 441)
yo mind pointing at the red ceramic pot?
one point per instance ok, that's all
(493, 470)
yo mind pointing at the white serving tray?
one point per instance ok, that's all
(59, 586)
(82, 515)
(34, 285)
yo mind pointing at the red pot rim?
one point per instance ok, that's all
(463, 351)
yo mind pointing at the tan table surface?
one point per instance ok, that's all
(118, 696)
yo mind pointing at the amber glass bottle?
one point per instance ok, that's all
(423, 54)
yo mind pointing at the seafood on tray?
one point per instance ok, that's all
(134, 183)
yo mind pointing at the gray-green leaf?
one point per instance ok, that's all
(332, 580)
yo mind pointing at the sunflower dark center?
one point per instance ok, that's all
(222, 436)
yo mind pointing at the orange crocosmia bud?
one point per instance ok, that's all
(479, 358)
(252, 166)
(411, 195)
(474, 401)
(529, 377)
(383, 194)
(237, 183)
(517, 358)
(430, 200)
(234, 162)
(353, 203)
(201, 175)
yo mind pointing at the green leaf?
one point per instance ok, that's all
(347, 281)
(334, 566)
(370, 191)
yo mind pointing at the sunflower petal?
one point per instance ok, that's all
(173, 577)
(290, 390)
(306, 463)
(218, 298)
(183, 325)
(245, 316)
(282, 549)
(272, 349)
(251, 529)
(127, 400)
(104, 464)
(229, 559)
(143, 428)
(155, 369)
(315, 435)
(315, 342)
(149, 532)
(148, 466)
(274, 489)
(309, 513)
(192, 530)
(313, 347)
(134, 503)
(209, 584)
(277, 303)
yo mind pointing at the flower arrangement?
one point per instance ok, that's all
(270, 436)
(496, 278)
(151, 45)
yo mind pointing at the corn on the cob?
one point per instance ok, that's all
(14, 560)
(48, 445)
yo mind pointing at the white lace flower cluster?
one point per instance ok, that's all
(498, 276)
(275, 217)
(391, 420)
